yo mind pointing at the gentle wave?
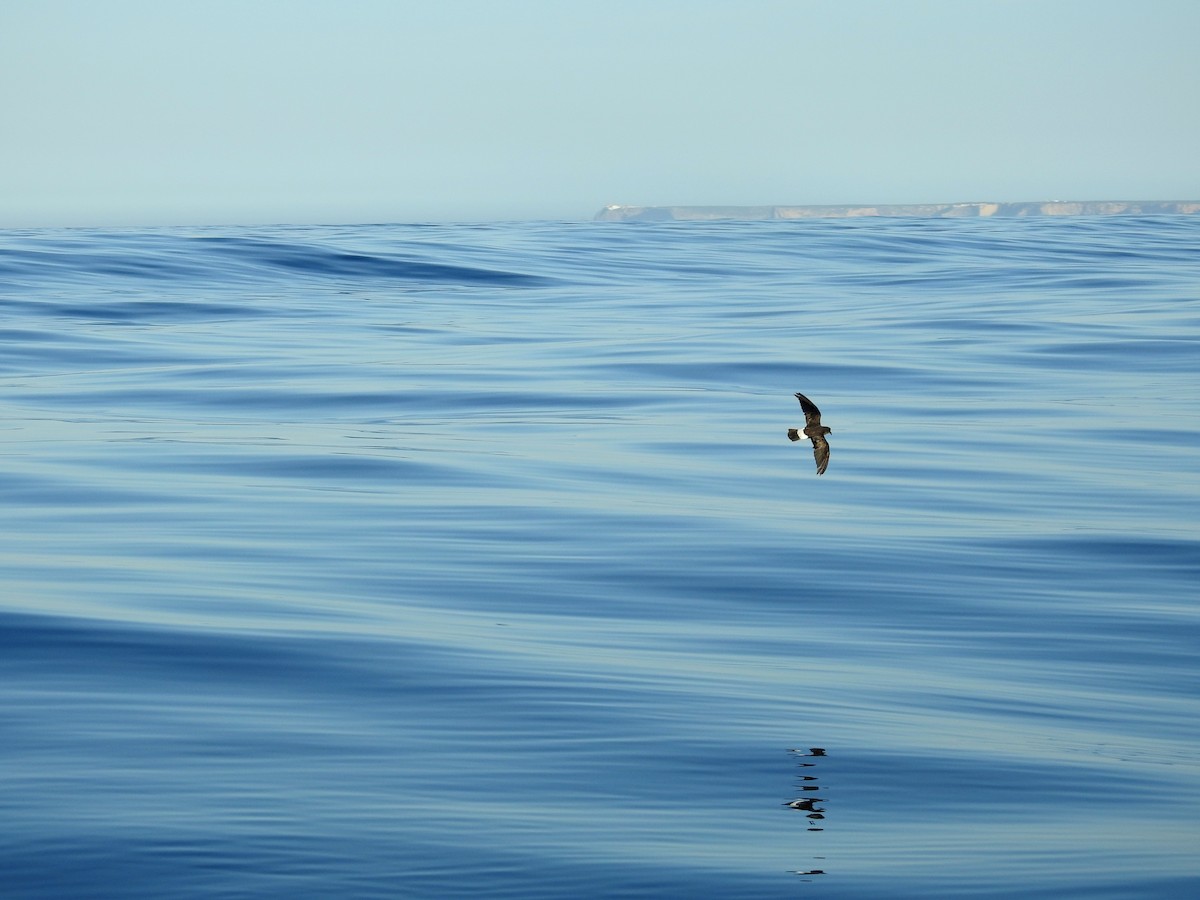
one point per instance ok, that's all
(378, 561)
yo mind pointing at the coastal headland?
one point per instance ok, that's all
(616, 213)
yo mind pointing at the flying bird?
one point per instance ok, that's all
(814, 431)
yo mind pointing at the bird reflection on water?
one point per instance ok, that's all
(807, 783)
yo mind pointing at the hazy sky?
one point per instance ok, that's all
(324, 111)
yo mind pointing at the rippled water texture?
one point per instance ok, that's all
(474, 561)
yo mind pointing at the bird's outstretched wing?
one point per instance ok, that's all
(821, 453)
(812, 415)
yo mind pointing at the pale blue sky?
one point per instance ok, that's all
(322, 111)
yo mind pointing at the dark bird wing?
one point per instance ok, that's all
(821, 453)
(812, 415)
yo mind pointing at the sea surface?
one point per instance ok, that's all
(449, 561)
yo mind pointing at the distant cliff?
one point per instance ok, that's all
(922, 210)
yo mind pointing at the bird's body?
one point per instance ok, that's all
(808, 804)
(813, 431)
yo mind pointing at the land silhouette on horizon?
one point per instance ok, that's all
(618, 213)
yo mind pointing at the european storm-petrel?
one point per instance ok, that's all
(814, 431)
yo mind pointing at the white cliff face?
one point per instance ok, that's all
(618, 213)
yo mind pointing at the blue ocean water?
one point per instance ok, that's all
(474, 561)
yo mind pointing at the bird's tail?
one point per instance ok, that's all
(793, 434)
